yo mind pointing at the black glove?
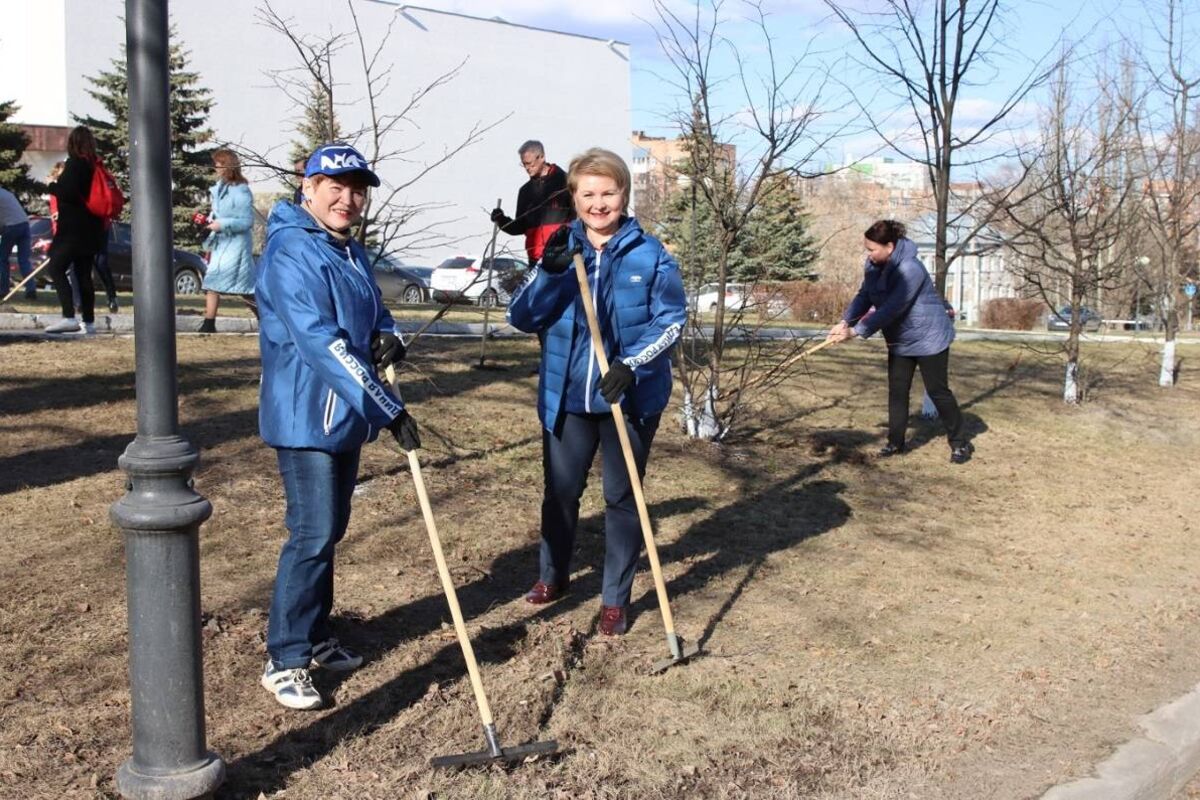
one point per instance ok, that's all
(386, 350)
(500, 218)
(404, 428)
(559, 255)
(614, 383)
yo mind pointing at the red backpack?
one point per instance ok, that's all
(104, 200)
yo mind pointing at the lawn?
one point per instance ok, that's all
(872, 629)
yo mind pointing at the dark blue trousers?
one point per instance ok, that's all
(318, 487)
(567, 455)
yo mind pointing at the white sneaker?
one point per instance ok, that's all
(64, 325)
(332, 656)
(89, 329)
(293, 688)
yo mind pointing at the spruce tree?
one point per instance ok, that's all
(779, 246)
(14, 175)
(191, 162)
(318, 126)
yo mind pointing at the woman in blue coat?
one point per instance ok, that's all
(324, 335)
(641, 309)
(230, 243)
(918, 332)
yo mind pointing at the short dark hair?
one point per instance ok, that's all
(885, 231)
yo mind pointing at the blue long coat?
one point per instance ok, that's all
(231, 263)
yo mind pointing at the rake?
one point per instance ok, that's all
(680, 651)
(27, 279)
(493, 751)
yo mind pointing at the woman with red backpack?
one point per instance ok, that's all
(79, 236)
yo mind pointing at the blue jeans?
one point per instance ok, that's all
(567, 456)
(17, 236)
(318, 487)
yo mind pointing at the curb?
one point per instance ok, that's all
(190, 323)
(1153, 766)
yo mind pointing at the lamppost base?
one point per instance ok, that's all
(193, 784)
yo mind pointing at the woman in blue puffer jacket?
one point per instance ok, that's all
(918, 332)
(641, 308)
(324, 335)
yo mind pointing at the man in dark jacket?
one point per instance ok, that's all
(543, 203)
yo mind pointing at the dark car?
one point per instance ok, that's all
(400, 282)
(189, 268)
(1061, 320)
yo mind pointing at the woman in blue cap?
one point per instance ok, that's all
(324, 334)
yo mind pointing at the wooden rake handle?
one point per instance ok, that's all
(435, 542)
(635, 481)
(27, 279)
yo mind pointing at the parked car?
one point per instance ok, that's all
(463, 279)
(401, 283)
(1061, 320)
(188, 268)
(735, 297)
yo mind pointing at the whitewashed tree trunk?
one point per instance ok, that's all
(1166, 373)
(928, 409)
(701, 423)
(1071, 384)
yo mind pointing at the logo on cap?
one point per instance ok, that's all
(341, 161)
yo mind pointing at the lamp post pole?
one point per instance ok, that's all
(160, 514)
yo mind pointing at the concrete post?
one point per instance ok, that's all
(160, 514)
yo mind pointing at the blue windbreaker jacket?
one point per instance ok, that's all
(319, 307)
(640, 304)
(908, 308)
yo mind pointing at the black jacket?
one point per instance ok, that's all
(77, 227)
(543, 204)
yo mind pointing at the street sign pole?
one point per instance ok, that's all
(160, 514)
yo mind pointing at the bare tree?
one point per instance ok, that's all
(391, 223)
(927, 55)
(778, 122)
(1168, 139)
(1067, 220)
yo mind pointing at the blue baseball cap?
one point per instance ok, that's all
(339, 159)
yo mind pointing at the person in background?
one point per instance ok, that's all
(324, 334)
(230, 241)
(543, 202)
(14, 235)
(78, 236)
(640, 303)
(918, 332)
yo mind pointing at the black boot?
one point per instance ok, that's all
(208, 326)
(889, 450)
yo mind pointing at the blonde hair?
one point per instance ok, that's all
(227, 160)
(605, 163)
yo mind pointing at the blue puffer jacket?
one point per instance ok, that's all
(639, 297)
(319, 307)
(907, 307)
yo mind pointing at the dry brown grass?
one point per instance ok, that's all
(898, 629)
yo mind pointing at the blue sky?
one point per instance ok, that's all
(1031, 29)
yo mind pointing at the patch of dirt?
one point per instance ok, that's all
(871, 629)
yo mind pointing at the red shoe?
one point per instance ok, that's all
(543, 593)
(613, 621)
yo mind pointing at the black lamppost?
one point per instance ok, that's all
(160, 514)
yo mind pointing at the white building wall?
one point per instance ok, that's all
(571, 92)
(33, 69)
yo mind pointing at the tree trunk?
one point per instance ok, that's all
(1166, 372)
(1071, 393)
(701, 422)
